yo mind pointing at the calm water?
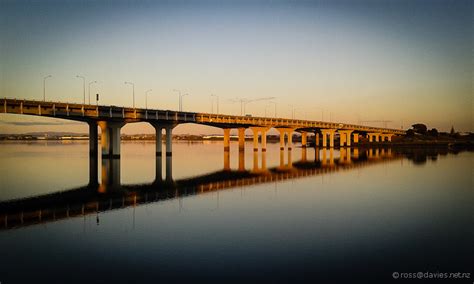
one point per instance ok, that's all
(205, 217)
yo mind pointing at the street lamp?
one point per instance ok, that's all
(217, 97)
(266, 110)
(182, 100)
(146, 98)
(179, 93)
(292, 110)
(133, 92)
(83, 88)
(90, 83)
(44, 86)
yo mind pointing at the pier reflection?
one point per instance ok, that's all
(109, 193)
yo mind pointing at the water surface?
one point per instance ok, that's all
(298, 216)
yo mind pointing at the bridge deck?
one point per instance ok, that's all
(86, 112)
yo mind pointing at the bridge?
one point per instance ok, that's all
(110, 194)
(111, 119)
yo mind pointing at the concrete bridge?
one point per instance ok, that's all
(110, 194)
(112, 118)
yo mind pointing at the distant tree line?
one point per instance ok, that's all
(422, 129)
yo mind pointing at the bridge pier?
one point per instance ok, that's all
(93, 139)
(304, 139)
(289, 134)
(329, 132)
(159, 139)
(158, 170)
(373, 135)
(388, 136)
(241, 132)
(356, 137)
(256, 131)
(345, 137)
(226, 139)
(226, 160)
(316, 139)
(169, 140)
(304, 154)
(110, 138)
(282, 139)
(169, 169)
(241, 161)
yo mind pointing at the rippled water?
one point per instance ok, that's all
(300, 216)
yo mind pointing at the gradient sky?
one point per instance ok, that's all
(404, 61)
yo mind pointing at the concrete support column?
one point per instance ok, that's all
(304, 155)
(342, 138)
(264, 140)
(316, 139)
(290, 160)
(255, 161)
(159, 139)
(264, 161)
(110, 138)
(389, 137)
(348, 137)
(345, 137)
(325, 133)
(169, 140)
(282, 139)
(324, 160)
(371, 137)
(304, 138)
(241, 161)
(158, 169)
(290, 139)
(226, 139)
(377, 137)
(226, 160)
(316, 154)
(169, 168)
(255, 139)
(331, 138)
(93, 139)
(241, 139)
(282, 158)
(325, 138)
(356, 137)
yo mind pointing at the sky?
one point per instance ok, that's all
(345, 61)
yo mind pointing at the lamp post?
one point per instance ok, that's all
(179, 94)
(44, 86)
(182, 100)
(266, 110)
(292, 110)
(90, 83)
(83, 88)
(217, 97)
(133, 92)
(146, 98)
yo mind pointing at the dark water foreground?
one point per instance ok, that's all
(340, 216)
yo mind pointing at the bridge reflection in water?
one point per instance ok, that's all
(109, 194)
